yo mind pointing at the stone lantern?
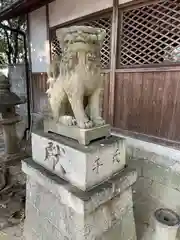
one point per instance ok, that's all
(12, 182)
(9, 118)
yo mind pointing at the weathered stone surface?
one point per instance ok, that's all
(165, 195)
(136, 165)
(42, 228)
(83, 166)
(75, 198)
(149, 149)
(123, 230)
(144, 209)
(76, 84)
(83, 136)
(139, 153)
(156, 172)
(61, 217)
(58, 216)
(160, 168)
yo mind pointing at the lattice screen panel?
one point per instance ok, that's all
(55, 46)
(103, 22)
(149, 32)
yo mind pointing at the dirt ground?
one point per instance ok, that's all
(13, 233)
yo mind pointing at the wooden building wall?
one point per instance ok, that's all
(147, 101)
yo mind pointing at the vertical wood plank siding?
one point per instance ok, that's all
(148, 103)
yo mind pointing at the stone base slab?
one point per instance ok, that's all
(83, 136)
(83, 166)
(87, 201)
(65, 212)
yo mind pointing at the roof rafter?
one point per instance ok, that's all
(21, 7)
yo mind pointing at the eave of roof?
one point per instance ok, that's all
(21, 7)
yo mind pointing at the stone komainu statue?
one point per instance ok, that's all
(75, 86)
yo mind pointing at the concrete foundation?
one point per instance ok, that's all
(157, 185)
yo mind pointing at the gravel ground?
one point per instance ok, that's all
(13, 233)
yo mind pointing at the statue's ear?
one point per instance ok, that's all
(61, 33)
(101, 35)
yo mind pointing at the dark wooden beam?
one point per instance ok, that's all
(22, 7)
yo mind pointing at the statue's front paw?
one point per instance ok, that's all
(71, 121)
(99, 121)
(86, 124)
(68, 120)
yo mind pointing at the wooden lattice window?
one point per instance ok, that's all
(104, 22)
(55, 46)
(148, 32)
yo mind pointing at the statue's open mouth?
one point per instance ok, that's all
(76, 41)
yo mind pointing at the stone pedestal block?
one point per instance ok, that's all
(83, 136)
(82, 166)
(57, 210)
